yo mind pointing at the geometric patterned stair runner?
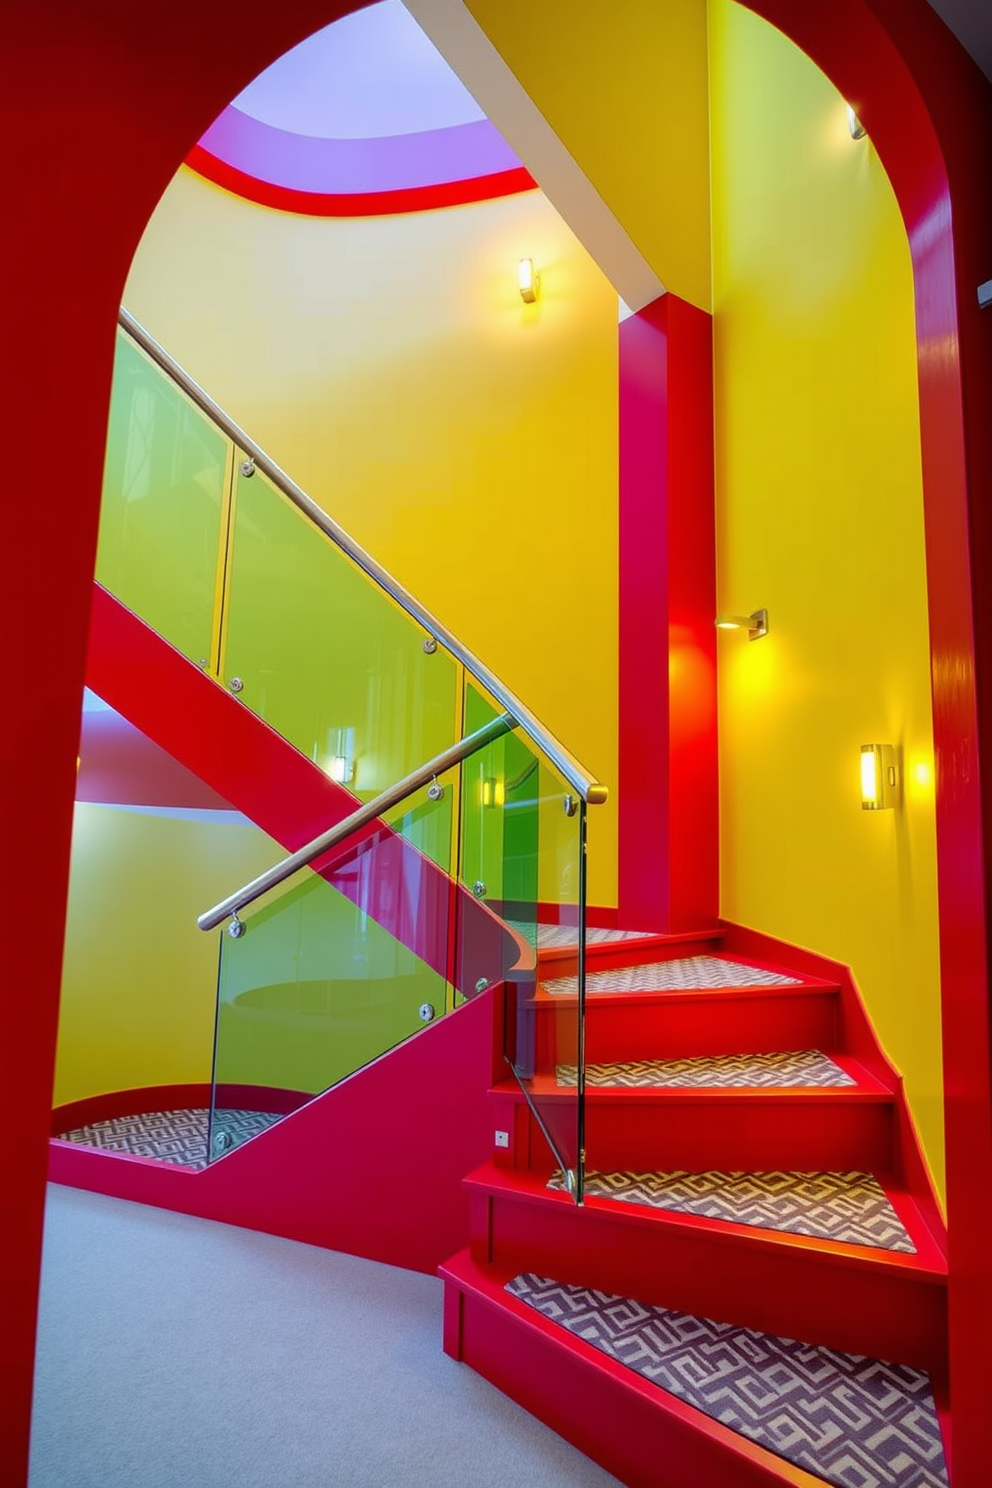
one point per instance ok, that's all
(684, 973)
(791, 1068)
(847, 1207)
(170, 1136)
(566, 937)
(853, 1421)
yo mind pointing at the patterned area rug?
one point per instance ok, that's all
(685, 973)
(856, 1422)
(170, 1136)
(771, 1071)
(848, 1207)
(561, 937)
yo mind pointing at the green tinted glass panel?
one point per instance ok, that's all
(318, 986)
(163, 500)
(325, 656)
(522, 855)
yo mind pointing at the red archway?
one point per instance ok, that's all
(99, 105)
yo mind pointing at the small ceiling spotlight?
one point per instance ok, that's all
(756, 624)
(854, 124)
(528, 281)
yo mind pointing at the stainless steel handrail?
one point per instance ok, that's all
(591, 791)
(396, 793)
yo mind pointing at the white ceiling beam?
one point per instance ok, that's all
(467, 49)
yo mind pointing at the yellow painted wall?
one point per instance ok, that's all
(624, 86)
(467, 441)
(820, 518)
(139, 979)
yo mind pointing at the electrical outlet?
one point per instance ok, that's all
(502, 1139)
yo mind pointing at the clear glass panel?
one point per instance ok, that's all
(325, 656)
(333, 970)
(523, 859)
(164, 505)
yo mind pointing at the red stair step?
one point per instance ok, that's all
(644, 1436)
(843, 1296)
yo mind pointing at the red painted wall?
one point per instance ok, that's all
(668, 812)
(98, 105)
(928, 111)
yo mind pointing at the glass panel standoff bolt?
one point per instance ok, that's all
(435, 792)
(430, 646)
(236, 928)
(236, 684)
(247, 468)
(570, 804)
(426, 1011)
(479, 889)
(482, 984)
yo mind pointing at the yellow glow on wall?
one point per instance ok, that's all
(624, 87)
(139, 980)
(464, 438)
(820, 513)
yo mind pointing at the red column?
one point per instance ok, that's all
(668, 809)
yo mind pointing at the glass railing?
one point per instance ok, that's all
(522, 853)
(442, 895)
(333, 969)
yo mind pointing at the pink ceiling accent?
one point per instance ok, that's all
(365, 114)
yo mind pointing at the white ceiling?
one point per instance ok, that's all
(971, 22)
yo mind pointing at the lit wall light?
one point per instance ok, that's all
(528, 281)
(341, 764)
(493, 791)
(855, 125)
(755, 624)
(879, 777)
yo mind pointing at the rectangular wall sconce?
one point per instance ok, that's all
(879, 777)
(341, 764)
(755, 624)
(493, 791)
(528, 281)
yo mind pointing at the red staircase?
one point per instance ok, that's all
(858, 1298)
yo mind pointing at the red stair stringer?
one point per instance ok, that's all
(374, 1166)
(859, 1040)
(197, 721)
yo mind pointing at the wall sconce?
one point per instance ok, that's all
(493, 791)
(528, 281)
(879, 777)
(756, 624)
(854, 124)
(341, 768)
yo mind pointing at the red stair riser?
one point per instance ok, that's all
(645, 1438)
(778, 1284)
(565, 961)
(750, 1132)
(692, 1025)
